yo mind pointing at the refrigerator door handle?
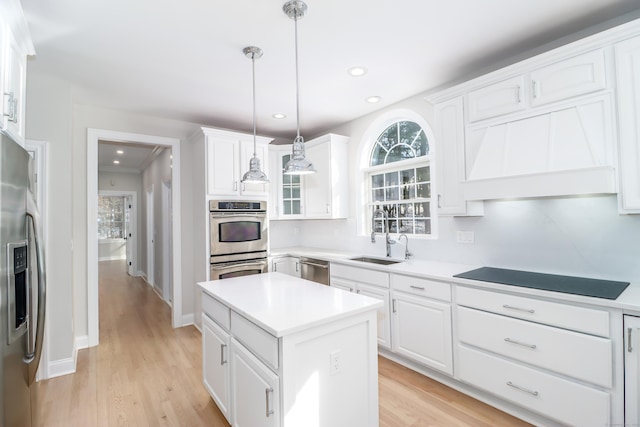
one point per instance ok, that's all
(34, 351)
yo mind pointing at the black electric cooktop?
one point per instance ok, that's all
(606, 289)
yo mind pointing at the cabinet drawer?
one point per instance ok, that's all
(566, 316)
(500, 98)
(215, 310)
(551, 348)
(370, 277)
(260, 342)
(551, 396)
(422, 287)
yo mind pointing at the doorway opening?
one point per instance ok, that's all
(94, 138)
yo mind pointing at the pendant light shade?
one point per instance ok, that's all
(298, 165)
(254, 175)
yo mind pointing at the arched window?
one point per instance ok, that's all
(399, 177)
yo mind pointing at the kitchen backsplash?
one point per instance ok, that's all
(580, 236)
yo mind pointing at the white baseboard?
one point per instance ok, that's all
(188, 319)
(111, 258)
(58, 368)
(82, 342)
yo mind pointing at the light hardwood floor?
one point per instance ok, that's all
(145, 373)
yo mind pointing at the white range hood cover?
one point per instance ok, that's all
(564, 152)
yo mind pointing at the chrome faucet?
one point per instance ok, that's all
(407, 254)
(388, 240)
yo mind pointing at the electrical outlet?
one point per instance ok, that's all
(335, 362)
(465, 237)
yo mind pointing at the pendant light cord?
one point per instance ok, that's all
(253, 69)
(297, 79)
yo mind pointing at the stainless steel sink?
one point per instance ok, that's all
(380, 261)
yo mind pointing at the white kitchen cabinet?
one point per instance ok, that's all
(286, 194)
(450, 160)
(532, 352)
(256, 390)
(421, 330)
(542, 127)
(15, 46)
(578, 75)
(506, 96)
(228, 155)
(321, 195)
(313, 362)
(567, 402)
(632, 370)
(215, 366)
(286, 264)
(627, 55)
(371, 283)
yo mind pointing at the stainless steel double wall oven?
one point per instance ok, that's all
(239, 238)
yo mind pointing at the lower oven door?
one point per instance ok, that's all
(238, 268)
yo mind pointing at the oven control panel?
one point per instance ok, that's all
(235, 205)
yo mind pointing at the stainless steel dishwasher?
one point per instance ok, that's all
(315, 270)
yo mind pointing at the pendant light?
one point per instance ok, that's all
(254, 175)
(298, 165)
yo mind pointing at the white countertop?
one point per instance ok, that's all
(282, 304)
(628, 301)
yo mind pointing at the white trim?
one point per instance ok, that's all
(188, 319)
(41, 150)
(82, 342)
(111, 258)
(93, 138)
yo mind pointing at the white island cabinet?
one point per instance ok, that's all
(282, 351)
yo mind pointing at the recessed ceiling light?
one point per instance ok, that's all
(116, 162)
(279, 116)
(373, 99)
(120, 152)
(357, 71)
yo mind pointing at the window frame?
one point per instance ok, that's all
(365, 171)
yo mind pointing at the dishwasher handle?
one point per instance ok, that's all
(314, 264)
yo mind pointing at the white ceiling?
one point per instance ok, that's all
(183, 59)
(133, 159)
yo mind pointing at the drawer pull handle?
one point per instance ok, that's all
(222, 361)
(629, 335)
(393, 305)
(531, 346)
(526, 310)
(266, 397)
(421, 288)
(517, 387)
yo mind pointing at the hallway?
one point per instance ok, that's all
(145, 373)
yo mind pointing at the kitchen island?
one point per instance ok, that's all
(283, 351)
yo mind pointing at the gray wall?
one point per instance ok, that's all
(154, 177)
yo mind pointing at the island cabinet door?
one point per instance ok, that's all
(215, 364)
(256, 390)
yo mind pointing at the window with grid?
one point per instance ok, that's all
(111, 217)
(400, 180)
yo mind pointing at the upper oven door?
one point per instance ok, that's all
(235, 233)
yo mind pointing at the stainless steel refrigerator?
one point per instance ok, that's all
(22, 286)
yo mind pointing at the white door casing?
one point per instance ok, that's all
(93, 137)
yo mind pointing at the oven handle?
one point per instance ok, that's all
(234, 264)
(235, 214)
